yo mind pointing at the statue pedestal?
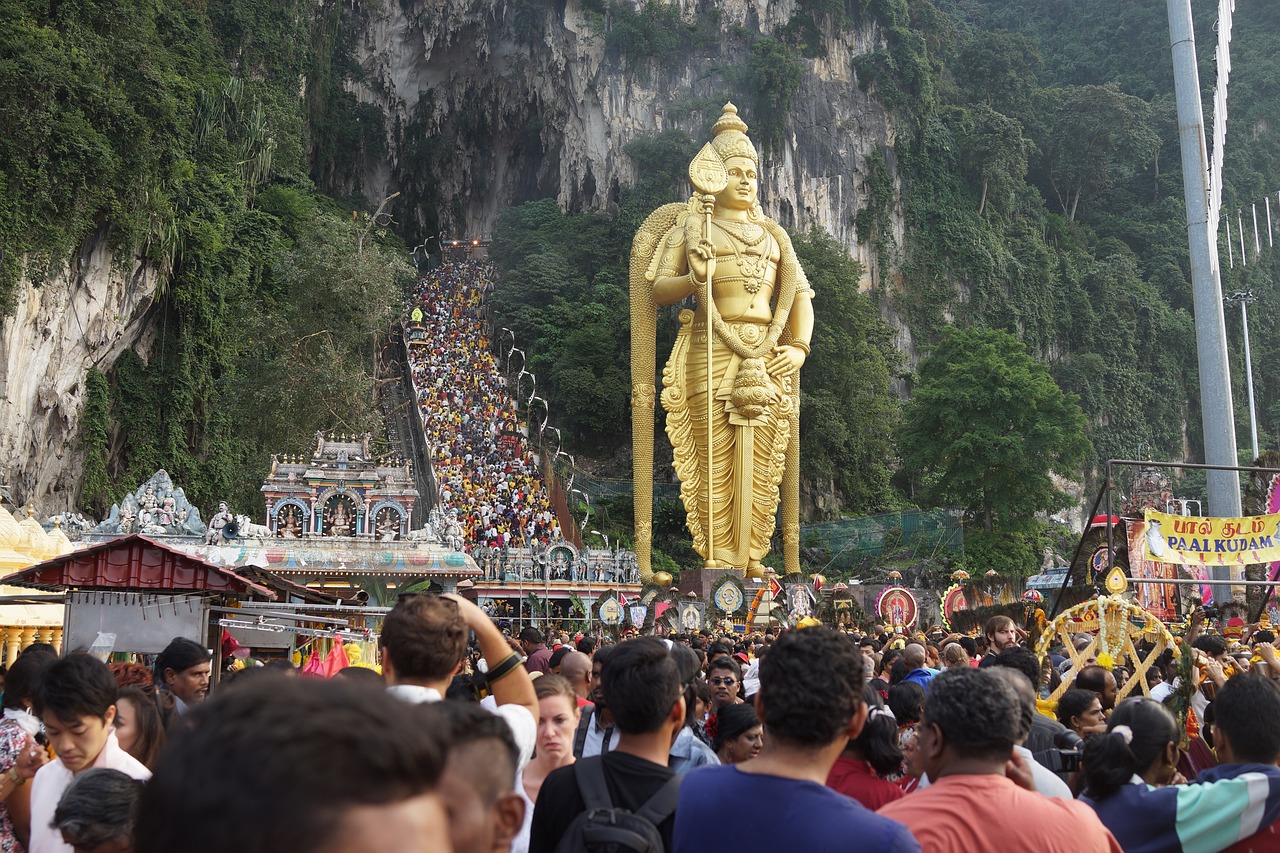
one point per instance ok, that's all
(701, 580)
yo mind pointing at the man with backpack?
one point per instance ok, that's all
(628, 792)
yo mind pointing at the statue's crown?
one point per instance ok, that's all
(730, 136)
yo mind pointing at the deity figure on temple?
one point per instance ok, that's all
(339, 519)
(289, 527)
(731, 386)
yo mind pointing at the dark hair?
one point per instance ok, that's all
(275, 764)
(1074, 703)
(148, 720)
(1112, 759)
(471, 726)
(1093, 678)
(98, 807)
(361, 675)
(977, 713)
(39, 648)
(181, 654)
(1025, 693)
(74, 687)
(689, 667)
(810, 686)
(906, 699)
(424, 637)
(586, 645)
(1210, 644)
(1247, 712)
(1264, 636)
(23, 678)
(557, 656)
(726, 662)
(877, 743)
(969, 644)
(532, 635)
(1023, 660)
(640, 682)
(887, 660)
(731, 722)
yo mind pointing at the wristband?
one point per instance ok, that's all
(14, 776)
(801, 345)
(503, 669)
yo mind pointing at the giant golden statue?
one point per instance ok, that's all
(731, 388)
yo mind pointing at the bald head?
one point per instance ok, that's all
(913, 656)
(576, 669)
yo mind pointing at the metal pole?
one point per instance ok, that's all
(1248, 371)
(1217, 412)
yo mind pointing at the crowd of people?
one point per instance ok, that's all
(470, 739)
(484, 468)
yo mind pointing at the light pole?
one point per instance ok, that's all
(606, 542)
(1245, 298)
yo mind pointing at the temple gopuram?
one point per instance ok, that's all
(339, 490)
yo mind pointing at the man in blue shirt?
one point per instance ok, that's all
(810, 700)
(913, 656)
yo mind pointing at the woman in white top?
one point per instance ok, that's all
(557, 721)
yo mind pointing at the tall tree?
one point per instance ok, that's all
(995, 151)
(1095, 136)
(998, 69)
(988, 427)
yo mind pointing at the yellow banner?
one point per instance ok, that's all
(1211, 541)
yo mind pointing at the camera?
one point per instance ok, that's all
(1065, 756)
(1211, 612)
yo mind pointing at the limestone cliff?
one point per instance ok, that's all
(84, 316)
(533, 104)
(487, 104)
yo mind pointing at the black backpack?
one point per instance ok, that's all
(605, 828)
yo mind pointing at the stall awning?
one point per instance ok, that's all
(1051, 579)
(135, 563)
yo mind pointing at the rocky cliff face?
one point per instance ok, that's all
(83, 317)
(488, 104)
(532, 105)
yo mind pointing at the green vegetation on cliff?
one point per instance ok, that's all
(176, 132)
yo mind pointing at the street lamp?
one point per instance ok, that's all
(606, 543)
(1245, 298)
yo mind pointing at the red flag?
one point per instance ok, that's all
(314, 665)
(229, 644)
(775, 587)
(817, 584)
(335, 661)
(622, 599)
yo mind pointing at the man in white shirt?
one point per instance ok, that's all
(424, 644)
(1046, 781)
(76, 701)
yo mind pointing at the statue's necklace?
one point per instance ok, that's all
(753, 266)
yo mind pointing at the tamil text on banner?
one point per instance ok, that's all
(1211, 541)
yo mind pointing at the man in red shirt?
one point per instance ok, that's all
(538, 656)
(970, 723)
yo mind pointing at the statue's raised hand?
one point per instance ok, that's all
(702, 260)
